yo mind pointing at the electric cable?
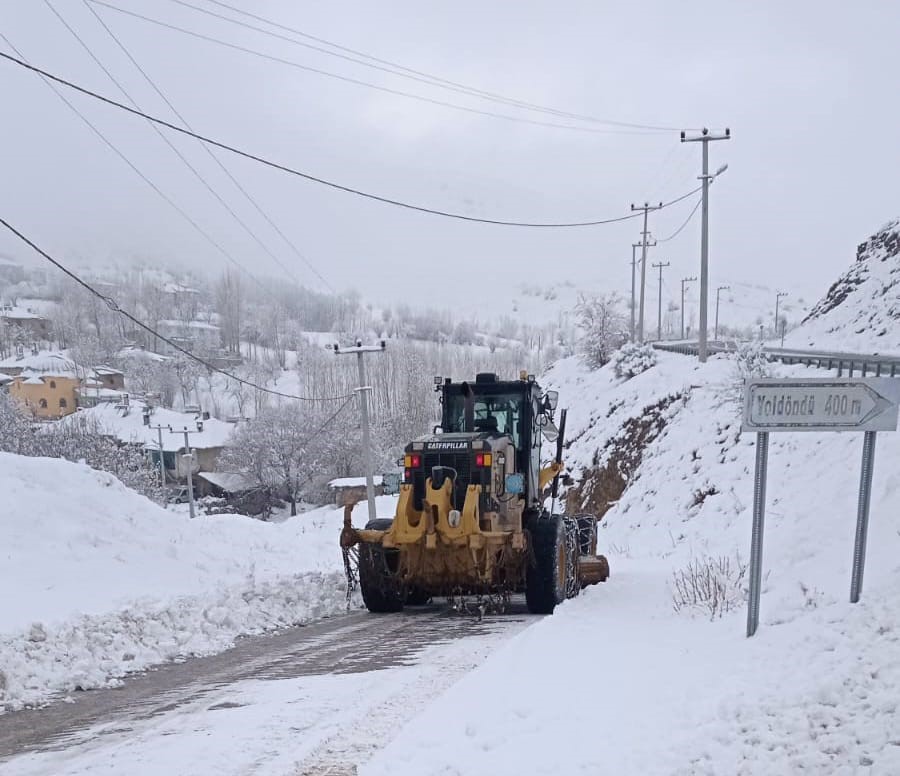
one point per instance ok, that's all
(197, 174)
(368, 84)
(134, 168)
(113, 305)
(215, 158)
(323, 181)
(394, 68)
(680, 228)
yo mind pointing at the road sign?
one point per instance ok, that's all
(867, 405)
(821, 404)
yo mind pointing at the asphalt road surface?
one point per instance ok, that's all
(354, 643)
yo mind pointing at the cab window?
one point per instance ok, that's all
(500, 413)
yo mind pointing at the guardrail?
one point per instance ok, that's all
(860, 364)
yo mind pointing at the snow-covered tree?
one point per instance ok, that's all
(603, 324)
(77, 439)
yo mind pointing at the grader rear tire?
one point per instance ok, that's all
(380, 589)
(547, 574)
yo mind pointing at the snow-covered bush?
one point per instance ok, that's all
(632, 359)
(751, 361)
(713, 585)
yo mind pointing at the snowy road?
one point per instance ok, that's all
(317, 699)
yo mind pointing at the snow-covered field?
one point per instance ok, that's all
(98, 581)
(619, 682)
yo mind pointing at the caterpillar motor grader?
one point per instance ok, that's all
(470, 518)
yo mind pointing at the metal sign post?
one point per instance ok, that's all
(756, 538)
(867, 405)
(862, 516)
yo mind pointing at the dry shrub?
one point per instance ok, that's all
(713, 585)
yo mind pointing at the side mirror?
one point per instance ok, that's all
(550, 431)
(551, 399)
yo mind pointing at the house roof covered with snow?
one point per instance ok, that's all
(44, 363)
(194, 325)
(127, 425)
(133, 352)
(353, 482)
(20, 313)
(230, 482)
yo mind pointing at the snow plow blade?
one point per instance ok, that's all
(593, 569)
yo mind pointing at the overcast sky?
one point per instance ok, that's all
(807, 88)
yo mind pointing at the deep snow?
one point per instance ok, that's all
(617, 682)
(100, 581)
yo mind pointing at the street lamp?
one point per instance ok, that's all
(705, 137)
(777, 300)
(719, 290)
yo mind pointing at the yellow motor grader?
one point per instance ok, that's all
(470, 518)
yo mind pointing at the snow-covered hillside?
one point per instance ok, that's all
(98, 581)
(743, 306)
(861, 311)
(617, 681)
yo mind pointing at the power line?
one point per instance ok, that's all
(369, 84)
(113, 305)
(394, 68)
(170, 144)
(323, 181)
(215, 158)
(680, 228)
(134, 168)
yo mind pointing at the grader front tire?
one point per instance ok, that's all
(380, 590)
(547, 574)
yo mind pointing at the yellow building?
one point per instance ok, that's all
(45, 384)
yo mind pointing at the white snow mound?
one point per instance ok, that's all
(99, 581)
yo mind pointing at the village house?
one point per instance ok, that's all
(34, 327)
(45, 384)
(350, 490)
(138, 424)
(192, 335)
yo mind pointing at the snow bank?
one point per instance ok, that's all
(618, 682)
(100, 581)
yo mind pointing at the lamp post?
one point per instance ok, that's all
(777, 301)
(705, 137)
(719, 290)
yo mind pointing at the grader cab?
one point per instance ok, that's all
(470, 518)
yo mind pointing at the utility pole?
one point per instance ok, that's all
(190, 463)
(683, 281)
(777, 301)
(162, 465)
(660, 267)
(634, 246)
(718, 291)
(363, 390)
(645, 243)
(705, 137)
